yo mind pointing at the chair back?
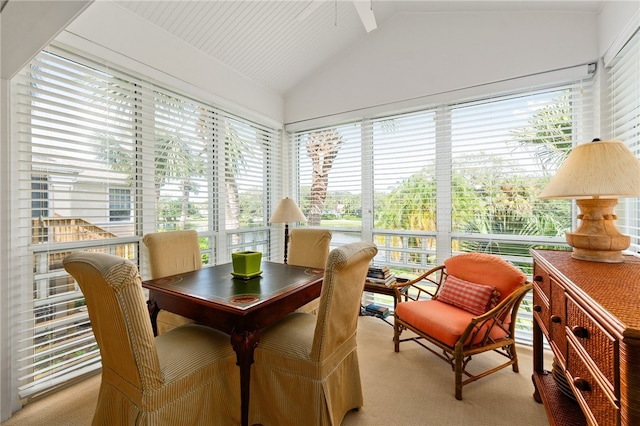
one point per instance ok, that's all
(174, 252)
(309, 247)
(119, 317)
(344, 276)
(487, 269)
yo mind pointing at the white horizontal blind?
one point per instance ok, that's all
(624, 88)
(106, 157)
(182, 141)
(504, 152)
(404, 189)
(465, 177)
(330, 179)
(249, 177)
(76, 139)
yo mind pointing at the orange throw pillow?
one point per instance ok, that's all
(474, 298)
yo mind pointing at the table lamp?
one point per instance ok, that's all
(596, 174)
(287, 212)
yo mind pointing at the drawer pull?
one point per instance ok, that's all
(580, 331)
(537, 278)
(556, 319)
(537, 308)
(581, 384)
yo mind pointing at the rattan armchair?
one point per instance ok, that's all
(465, 307)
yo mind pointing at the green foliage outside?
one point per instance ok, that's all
(485, 200)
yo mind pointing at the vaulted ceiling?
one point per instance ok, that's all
(279, 44)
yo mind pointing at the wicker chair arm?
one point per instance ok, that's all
(434, 276)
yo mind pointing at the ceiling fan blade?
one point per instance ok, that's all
(366, 14)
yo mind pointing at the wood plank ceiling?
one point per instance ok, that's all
(272, 43)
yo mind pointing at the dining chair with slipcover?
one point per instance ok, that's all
(309, 247)
(186, 376)
(306, 367)
(465, 307)
(172, 253)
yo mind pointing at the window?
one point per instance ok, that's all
(624, 87)
(119, 204)
(330, 173)
(503, 153)
(106, 157)
(447, 179)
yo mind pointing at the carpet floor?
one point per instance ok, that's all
(412, 387)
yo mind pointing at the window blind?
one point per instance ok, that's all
(624, 89)
(76, 130)
(459, 177)
(105, 157)
(330, 179)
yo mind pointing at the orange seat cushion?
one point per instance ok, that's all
(442, 321)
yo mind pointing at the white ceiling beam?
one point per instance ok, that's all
(365, 10)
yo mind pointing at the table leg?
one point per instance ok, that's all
(153, 314)
(244, 343)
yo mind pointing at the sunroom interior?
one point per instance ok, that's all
(430, 135)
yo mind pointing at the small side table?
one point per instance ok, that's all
(383, 289)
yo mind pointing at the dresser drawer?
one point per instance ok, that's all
(541, 308)
(596, 341)
(597, 404)
(558, 321)
(541, 279)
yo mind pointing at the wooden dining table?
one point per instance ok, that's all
(212, 296)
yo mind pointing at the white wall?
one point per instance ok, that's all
(115, 34)
(425, 54)
(617, 22)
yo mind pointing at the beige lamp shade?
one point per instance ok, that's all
(599, 169)
(596, 174)
(287, 211)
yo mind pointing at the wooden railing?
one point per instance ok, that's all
(60, 229)
(65, 229)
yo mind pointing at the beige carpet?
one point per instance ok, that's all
(412, 387)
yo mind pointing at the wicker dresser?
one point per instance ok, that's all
(589, 312)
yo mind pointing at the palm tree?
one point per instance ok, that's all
(235, 147)
(176, 159)
(177, 156)
(322, 148)
(549, 133)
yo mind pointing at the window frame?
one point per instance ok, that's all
(42, 286)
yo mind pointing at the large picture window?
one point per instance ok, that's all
(624, 89)
(450, 178)
(106, 157)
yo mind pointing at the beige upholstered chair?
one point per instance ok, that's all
(306, 368)
(172, 253)
(309, 247)
(461, 309)
(186, 376)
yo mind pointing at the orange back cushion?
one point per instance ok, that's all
(487, 269)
